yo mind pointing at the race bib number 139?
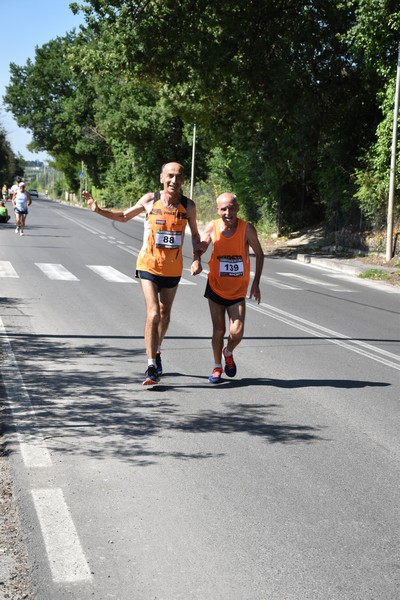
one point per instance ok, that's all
(230, 266)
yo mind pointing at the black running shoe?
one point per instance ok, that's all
(158, 363)
(151, 376)
(230, 365)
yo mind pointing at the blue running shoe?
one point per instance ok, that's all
(151, 376)
(215, 377)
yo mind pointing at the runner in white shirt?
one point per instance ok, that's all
(21, 200)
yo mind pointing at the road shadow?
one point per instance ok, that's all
(252, 419)
(239, 382)
(85, 407)
(86, 402)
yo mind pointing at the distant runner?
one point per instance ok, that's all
(21, 200)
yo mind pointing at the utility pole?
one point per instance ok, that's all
(81, 180)
(193, 155)
(389, 233)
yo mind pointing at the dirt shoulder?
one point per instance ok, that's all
(14, 566)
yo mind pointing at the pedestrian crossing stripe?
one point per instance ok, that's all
(111, 274)
(56, 272)
(7, 270)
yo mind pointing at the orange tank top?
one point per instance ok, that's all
(164, 231)
(229, 264)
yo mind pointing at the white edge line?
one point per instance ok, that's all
(33, 448)
(64, 551)
(307, 326)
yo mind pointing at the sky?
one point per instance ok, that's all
(42, 21)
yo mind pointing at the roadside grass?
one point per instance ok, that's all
(375, 274)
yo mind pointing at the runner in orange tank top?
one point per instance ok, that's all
(159, 264)
(229, 278)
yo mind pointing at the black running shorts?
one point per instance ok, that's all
(162, 282)
(211, 295)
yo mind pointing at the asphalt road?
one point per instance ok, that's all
(280, 484)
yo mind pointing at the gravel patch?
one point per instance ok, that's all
(14, 564)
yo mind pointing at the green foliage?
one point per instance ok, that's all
(10, 165)
(56, 106)
(379, 46)
(6, 160)
(373, 179)
(374, 274)
(244, 174)
(291, 102)
(58, 188)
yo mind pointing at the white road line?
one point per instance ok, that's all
(279, 284)
(7, 270)
(333, 286)
(373, 352)
(120, 244)
(111, 274)
(383, 287)
(276, 283)
(130, 249)
(87, 227)
(307, 279)
(56, 272)
(65, 554)
(33, 448)
(66, 557)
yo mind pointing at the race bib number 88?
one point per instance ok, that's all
(168, 239)
(231, 266)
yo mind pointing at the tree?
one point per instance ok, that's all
(380, 48)
(284, 96)
(10, 165)
(57, 108)
(281, 94)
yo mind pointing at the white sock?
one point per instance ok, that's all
(151, 361)
(227, 352)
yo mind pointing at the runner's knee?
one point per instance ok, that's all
(153, 315)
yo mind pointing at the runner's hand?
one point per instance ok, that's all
(90, 200)
(255, 292)
(196, 267)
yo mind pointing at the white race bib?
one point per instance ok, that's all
(231, 266)
(168, 239)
